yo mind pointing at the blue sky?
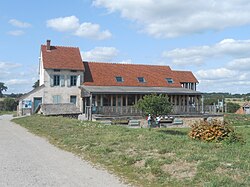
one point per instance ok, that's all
(210, 38)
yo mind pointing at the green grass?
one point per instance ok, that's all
(7, 112)
(160, 157)
(238, 120)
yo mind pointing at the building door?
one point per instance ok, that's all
(73, 99)
(37, 102)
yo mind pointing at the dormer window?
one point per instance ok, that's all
(141, 79)
(119, 79)
(169, 80)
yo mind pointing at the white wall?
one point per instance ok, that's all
(64, 91)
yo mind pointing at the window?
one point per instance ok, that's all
(56, 99)
(170, 80)
(119, 79)
(141, 79)
(56, 70)
(73, 70)
(73, 99)
(73, 80)
(56, 80)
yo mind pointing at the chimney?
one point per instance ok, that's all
(48, 45)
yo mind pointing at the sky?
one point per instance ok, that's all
(210, 38)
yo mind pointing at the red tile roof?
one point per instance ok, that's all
(62, 58)
(185, 76)
(103, 74)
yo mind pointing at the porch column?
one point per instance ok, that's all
(121, 107)
(202, 104)
(101, 102)
(199, 103)
(175, 100)
(196, 103)
(90, 108)
(136, 111)
(85, 105)
(111, 100)
(116, 103)
(183, 103)
(111, 103)
(96, 100)
(140, 96)
(188, 106)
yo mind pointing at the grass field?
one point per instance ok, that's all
(160, 157)
(7, 112)
(238, 120)
(239, 101)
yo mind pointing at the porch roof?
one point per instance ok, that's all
(136, 90)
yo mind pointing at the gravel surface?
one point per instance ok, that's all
(28, 160)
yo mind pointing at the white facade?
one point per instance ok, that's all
(63, 90)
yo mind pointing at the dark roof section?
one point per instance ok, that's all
(59, 57)
(104, 74)
(137, 90)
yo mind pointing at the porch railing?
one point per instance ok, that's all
(131, 110)
(116, 110)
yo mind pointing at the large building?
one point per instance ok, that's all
(69, 84)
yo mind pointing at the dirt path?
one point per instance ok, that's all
(28, 160)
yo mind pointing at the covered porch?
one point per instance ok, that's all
(115, 101)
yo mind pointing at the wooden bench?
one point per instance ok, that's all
(134, 123)
(177, 121)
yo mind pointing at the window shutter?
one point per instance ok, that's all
(68, 80)
(51, 81)
(59, 99)
(78, 81)
(62, 80)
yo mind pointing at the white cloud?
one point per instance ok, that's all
(19, 24)
(224, 79)
(100, 54)
(172, 18)
(8, 65)
(17, 82)
(6, 69)
(216, 74)
(198, 55)
(103, 54)
(16, 33)
(90, 30)
(86, 29)
(241, 64)
(63, 24)
(227, 64)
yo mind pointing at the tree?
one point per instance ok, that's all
(2, 88)
(9, 104)
(36, 84)
(155, 104)
(232, 107)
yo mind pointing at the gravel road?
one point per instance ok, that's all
(28, 160)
